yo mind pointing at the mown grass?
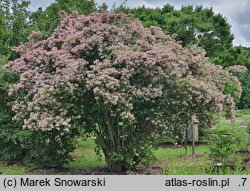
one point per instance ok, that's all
(85, 157)
(172, 160)
(242, 119)
(13, 170)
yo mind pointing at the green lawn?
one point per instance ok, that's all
(85, 156)
(172, 160)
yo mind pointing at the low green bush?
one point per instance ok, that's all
(221, 147)
(49, 149)
(225, 141)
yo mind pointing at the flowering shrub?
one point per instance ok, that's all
(108, 74)
(35, 148)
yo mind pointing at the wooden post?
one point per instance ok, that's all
(193, 141)
(186, 140)
(194, 136)
(191, 133)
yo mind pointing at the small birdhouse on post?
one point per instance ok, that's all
(192, 132)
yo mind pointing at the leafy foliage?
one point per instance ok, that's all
(47, 20)
(10, 145)
(17, 15)
(244, 101)
(233, 56)
(4, 36)
(48, 149)
(222, 146)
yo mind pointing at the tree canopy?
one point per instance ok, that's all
(47, 20)
(17, 16)
(4, 37)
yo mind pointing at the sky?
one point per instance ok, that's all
(236, 11)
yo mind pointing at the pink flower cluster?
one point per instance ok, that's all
(237, 69)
